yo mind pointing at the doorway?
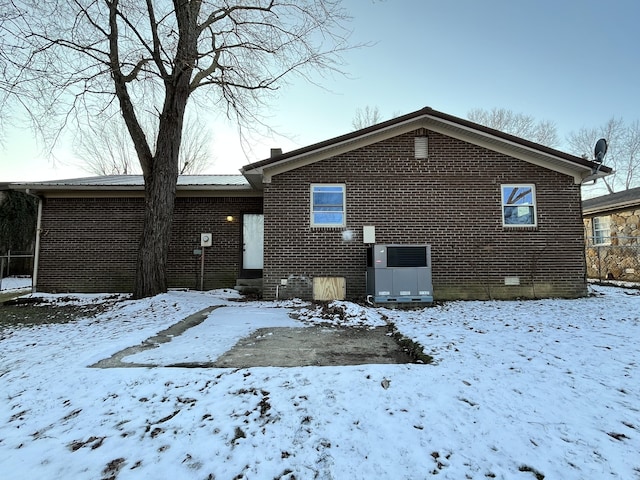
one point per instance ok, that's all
(252, 245)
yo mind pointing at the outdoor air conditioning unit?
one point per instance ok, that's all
(399, 273)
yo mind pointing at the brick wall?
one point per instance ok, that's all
(452, 201)
(90, 244)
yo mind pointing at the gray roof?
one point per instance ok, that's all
(614, 201)
(136, 182)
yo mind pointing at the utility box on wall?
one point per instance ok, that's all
(399, 273)
(369, 234)
(205, 240)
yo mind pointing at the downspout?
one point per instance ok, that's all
(36, 253)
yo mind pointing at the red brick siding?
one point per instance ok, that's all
(451, 201)
(90, 244)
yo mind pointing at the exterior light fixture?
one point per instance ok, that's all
(229, 218)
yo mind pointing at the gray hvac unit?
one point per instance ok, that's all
(399, 273)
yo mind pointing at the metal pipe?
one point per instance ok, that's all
(202, 270)
(36, 253)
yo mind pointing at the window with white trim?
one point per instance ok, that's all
(601, 230)
(519, 205)
(328, 205)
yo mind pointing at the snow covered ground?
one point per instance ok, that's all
(15, 283)
(519, 390)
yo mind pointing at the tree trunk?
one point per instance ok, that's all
(161, 171)
(153, 254)
(160, 179)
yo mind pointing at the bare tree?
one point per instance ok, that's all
(195, 155)
(543, 132)
(365, 117)
(623, 151)
(17, 220)
(72, 59)
(6, 51)
(108, 149)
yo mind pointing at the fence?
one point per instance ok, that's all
(16, 263)
(615, 258)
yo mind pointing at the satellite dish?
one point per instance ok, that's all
(600, 150)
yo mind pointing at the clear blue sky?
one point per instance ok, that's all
(574, 62)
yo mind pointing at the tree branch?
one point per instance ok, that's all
(126, 105)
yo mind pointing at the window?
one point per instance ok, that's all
(328, 205)
(601, 234)
(519, 206)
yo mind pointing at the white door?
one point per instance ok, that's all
(253, 241)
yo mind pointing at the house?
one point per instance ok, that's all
(502, 217)
(612, 235)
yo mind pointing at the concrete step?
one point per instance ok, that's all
(249, 282)
(249, 286)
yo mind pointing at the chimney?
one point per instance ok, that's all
(276, 152)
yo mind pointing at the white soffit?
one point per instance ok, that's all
(512, 149)
(335, 149)
(454, 130)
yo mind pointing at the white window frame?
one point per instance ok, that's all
(313, 212)
(532, 207)
(601, 233)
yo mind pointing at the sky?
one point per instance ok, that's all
(573, 62)
(517, 390)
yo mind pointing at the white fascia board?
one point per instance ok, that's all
(578, 172)
(120, 191)
(335, 149)
(512, 149)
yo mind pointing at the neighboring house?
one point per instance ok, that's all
(612, 232)
(502, 216)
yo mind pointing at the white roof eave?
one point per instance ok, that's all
(580, 173)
